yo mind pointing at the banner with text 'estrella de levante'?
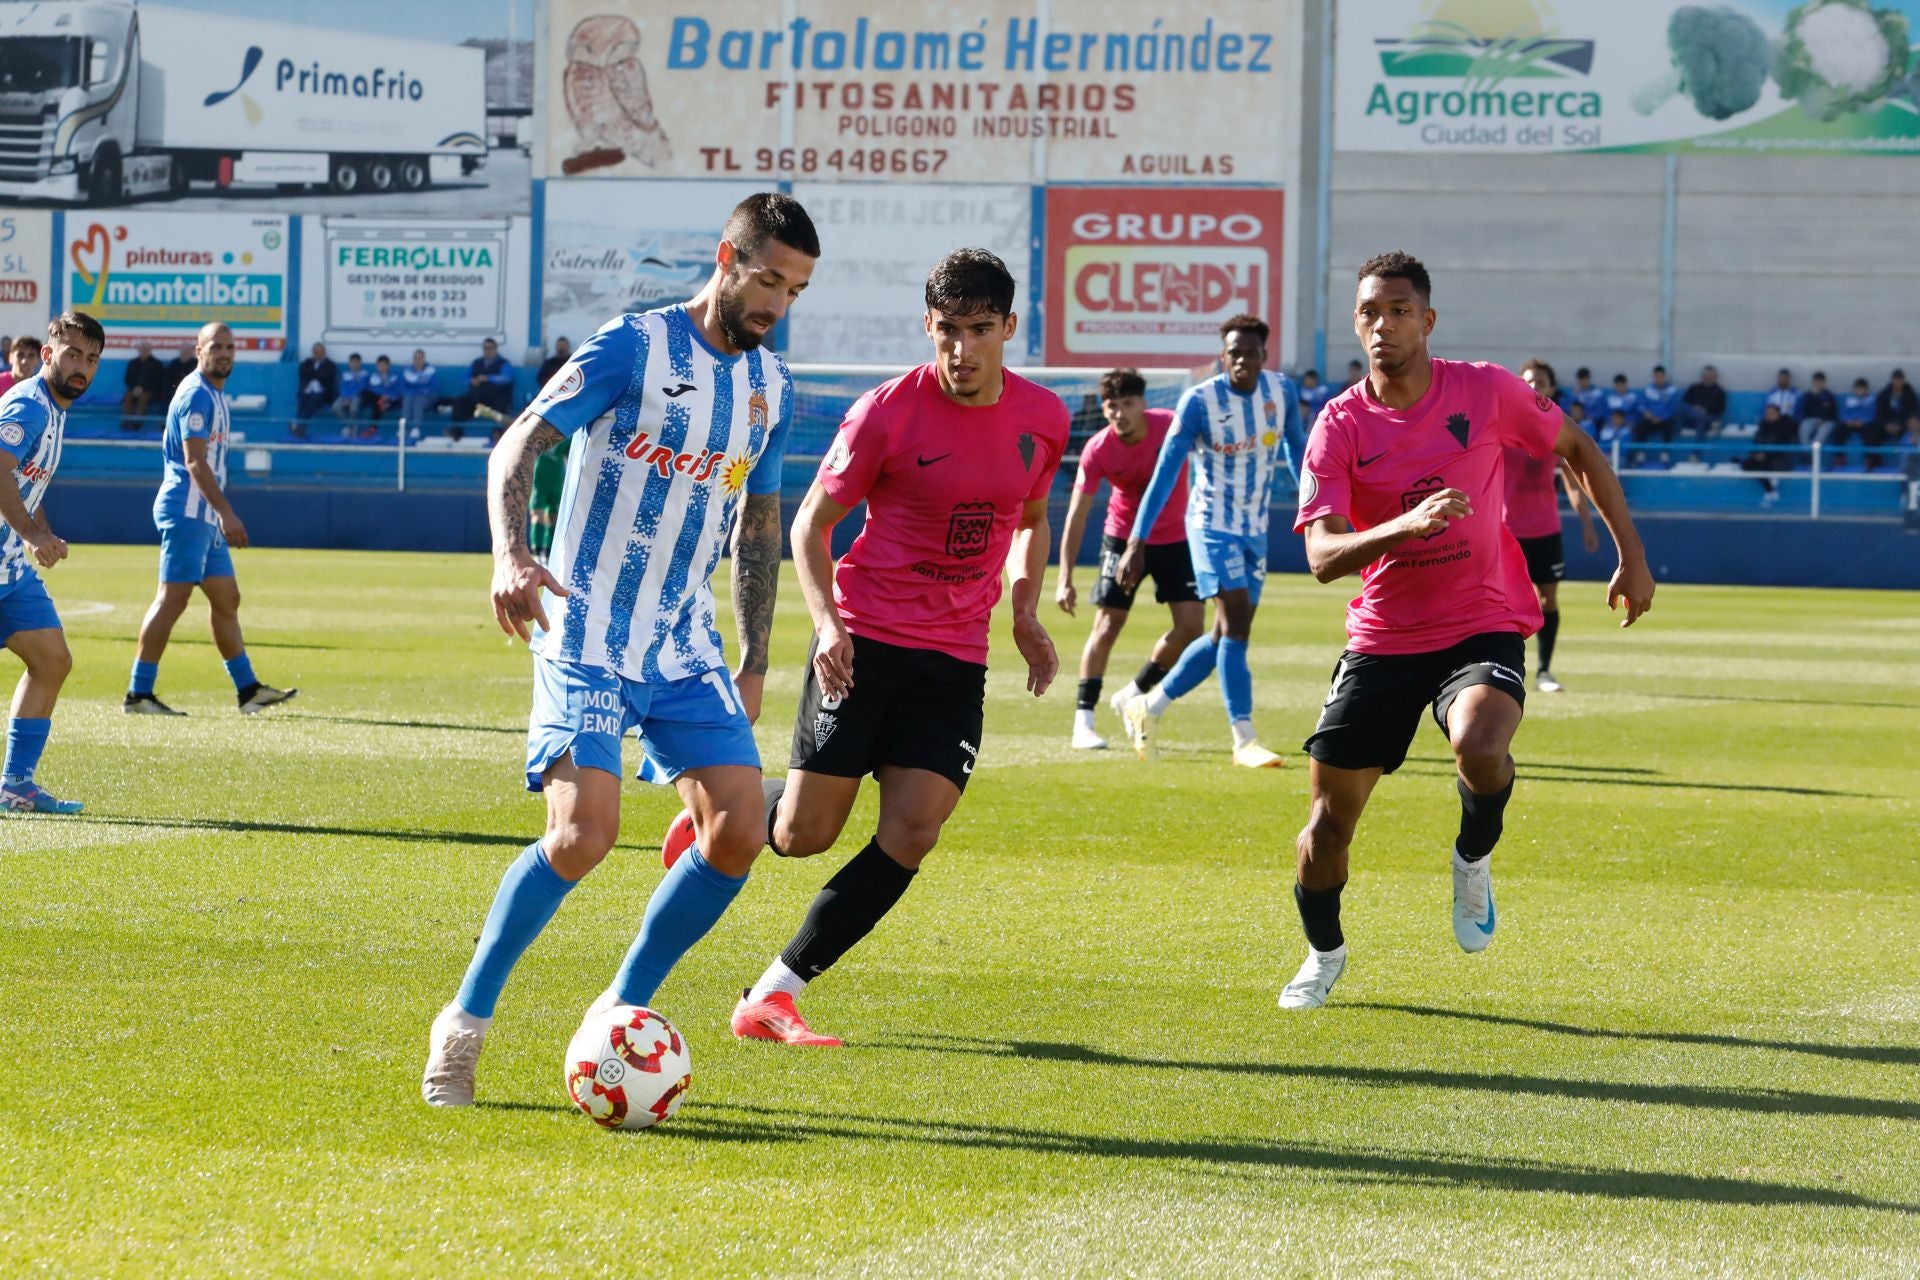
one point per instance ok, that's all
(1757, 76)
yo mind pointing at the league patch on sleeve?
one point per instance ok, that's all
(566, 384)
(1542, 403)
(1309, 490)
(839, 455)
(12, 433)
(196, 422)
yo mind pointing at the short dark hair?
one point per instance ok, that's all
(1399, 266)
(1898, 373)
(23, 344)
(1583, 372)
(356, 355)
(1118, 384)
(1820, 375)
(382, 356)
(1778, 372)
(1245, 322)
(769, 215)
(969, 281)
(1541, 366)
(1659, 368)
(1861, 382)
(69, 325)
(1619, 377)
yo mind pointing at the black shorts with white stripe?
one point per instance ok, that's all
(1373, 709)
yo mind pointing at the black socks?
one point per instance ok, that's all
(1320, 916)
(771, 789)
(845, 910)
(1549, 631)
(1089, 694)
(1150, 675)
(1480, 820)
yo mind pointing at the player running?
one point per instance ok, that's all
(197, 526)
(954, 461)
(1238, 427)
(33, 421)
(1403, 483)
(1532, 512)
(674, 413)
(1123, 453)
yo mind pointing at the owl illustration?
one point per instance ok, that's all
(606, 93)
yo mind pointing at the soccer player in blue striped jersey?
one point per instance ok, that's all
(1238, 429)
(197, 527)
(677, 418)
(33, 423)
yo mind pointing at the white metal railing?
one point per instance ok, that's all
(399, 450)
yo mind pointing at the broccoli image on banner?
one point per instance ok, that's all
(1841, 56)
(1720, 61)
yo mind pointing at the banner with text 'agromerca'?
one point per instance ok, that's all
(1763, 76)
(986, 91)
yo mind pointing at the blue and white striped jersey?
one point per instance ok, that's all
(1236, 442)
(198, 412)
(32, 425)
(667, 434)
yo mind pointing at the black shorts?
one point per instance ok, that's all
(1546, 559)
(1373, 709)
(916, 708)
(1168, 563)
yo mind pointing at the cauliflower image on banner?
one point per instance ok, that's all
(1842, 56)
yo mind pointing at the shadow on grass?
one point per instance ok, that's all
(202, 642)
(517, 731)
(1528, 777)
(1907, 1055)
(1529, 765)
(411, 836)
(732, 1122)
(1763, 1101)
(553, 1108)
(1796, 702)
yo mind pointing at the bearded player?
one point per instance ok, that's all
(677, 418)
(1403, 483)
(954, 462)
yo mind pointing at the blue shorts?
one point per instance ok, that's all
(26, 606)
(684, 724)
(192, 550)
(1224, 561)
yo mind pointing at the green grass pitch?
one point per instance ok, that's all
(1694, 1048)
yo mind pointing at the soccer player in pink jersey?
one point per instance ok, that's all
(1123, 453)
(954, 461)
(1533, 514)
(1403, 483)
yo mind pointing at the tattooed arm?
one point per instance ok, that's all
(756, 578)
(517, 576)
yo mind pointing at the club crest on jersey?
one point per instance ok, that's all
(1423, 488)
(1458, 426)
(695, 466)
(970, 529)
(1272, 411)
(1026, 449)
(757, 410)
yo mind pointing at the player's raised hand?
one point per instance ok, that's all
(1436, 511)
(1036, 646)
(833, 659)
(48, 548)
(234, 531)
(517, 582)
(1633, 585)
(1066, 596)
(1133, 564)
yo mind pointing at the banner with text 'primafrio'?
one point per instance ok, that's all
(1760, 76)
(990, 91)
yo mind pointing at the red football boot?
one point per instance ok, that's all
(775, 1018)
(678, 840)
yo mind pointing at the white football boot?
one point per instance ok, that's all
(1473, 916)
(453, 1057)
(1311, 986)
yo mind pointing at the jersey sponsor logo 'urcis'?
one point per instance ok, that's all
(695, 466)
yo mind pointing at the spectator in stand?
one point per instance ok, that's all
(417, 397)
(177, 370)
(489, 392)
(23, 361)
(1894, 411)
(1622, 401)
(1659, 405)
(1615, 427)
(1594, 398)
(352, 385)
(1818, 411)
(1704, 407)
(1776, 428)
(1313, 397)
(146, 380)
(1856, 415)
(1783, 397)
(319, 387)
(1577, 414)
(551, 365)
(382, 396)
(1355, 372)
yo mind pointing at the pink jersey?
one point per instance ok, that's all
(1128, 468)
(1533, 502)
(944, 485)
(1370, 463)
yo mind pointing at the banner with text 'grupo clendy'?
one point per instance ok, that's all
(1516, 76)
(989, 91)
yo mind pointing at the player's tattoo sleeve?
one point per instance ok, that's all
(756, 576)
(510, 480)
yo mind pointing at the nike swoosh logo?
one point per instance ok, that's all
(674, 393)
(927, 462)
(1486, 928)
(1367, 462)
(967, 767)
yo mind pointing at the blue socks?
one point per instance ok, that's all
(1191, 668)
(1236, 679)
(688, 902)
(26, 739)
(144, 674)
(529, 894)
(240, 670)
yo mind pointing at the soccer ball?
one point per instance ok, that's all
(628, 1068)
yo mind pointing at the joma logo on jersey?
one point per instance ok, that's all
(970, 529)
(694, 466)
